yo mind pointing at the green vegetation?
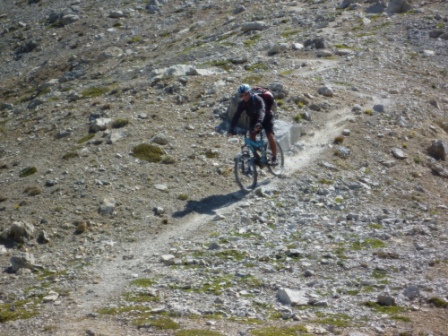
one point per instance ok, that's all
(438, 302)
(210, 154)
(70, 155)
(287, 72)
(94, 92)
(119, 123)
(182, 197)
(135, 39)
(252, 40)
(19, 310)
(158, 322)
(225, 64)
(390, 310)
(289, 32)
(120, 310)
(257, 66)
(140, 297)
(232, 254)
(368, 243)
(27, 171)
(277, 331)
(213, 286)
(197, 332)
(86, 138)
(375, 226)
(143, 282)
(298, 118)
(337, 320)
(379, 273)
(252, 79)
(148, 153)
(43, 91)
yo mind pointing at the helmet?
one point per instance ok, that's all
(243, 88)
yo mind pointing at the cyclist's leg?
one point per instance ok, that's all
(252, 134)
(268, 125)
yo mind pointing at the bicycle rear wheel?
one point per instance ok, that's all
(245, 172)
(279, 168)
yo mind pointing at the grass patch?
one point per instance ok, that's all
(197, 332)
(135, 39)
(368, 243)
(86, 138)
(337, 320)
(290, 32)
(225, 64)
(19, 310)
(94, 92)
(298, 118)
(252, 40)
(148, 153)
(252, 79)
(158, 322)
(379, 273)
(287, 72)
(119, 123)
(211, 154)
(277, 331)
(27, 171)
(389, 310)
(257, 66)
(143, 282)
(182, 197)
(140, 297)
(375, 226)
(70, 155)
(119, 310)
(232, 254)
(438, 302)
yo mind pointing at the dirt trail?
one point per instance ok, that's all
(115, 274)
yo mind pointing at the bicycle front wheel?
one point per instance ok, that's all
(245, 172)
(278, 168)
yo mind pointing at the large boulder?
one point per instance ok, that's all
(438, 149)
(18, 232)
(22, 260)
(398, 6)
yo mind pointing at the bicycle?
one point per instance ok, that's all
(253, 154)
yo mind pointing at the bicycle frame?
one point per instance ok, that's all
(254, 145)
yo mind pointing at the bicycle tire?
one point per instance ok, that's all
(245, 172)
(279, 168)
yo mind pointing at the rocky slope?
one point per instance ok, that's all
(97, 240)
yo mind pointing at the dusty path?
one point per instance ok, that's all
(114, 275)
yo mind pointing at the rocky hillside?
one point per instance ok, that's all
(119, 213)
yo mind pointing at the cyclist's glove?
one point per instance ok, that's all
(257, 127)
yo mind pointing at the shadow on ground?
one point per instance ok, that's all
(210, 204)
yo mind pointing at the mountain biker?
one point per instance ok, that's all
(260, 116)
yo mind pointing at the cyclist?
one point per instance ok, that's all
(260, 116)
